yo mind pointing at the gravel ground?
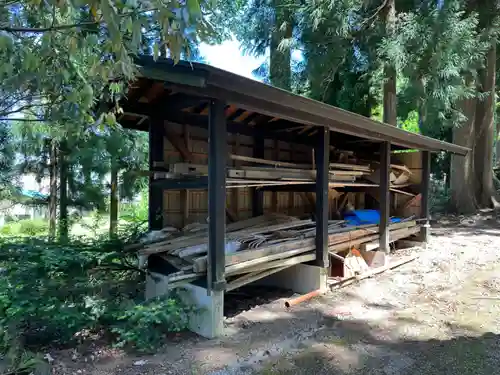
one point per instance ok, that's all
(436, 315)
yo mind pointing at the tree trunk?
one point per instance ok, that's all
(390, 99)
(485, 133)
(113, 202)
(63, 193)
(462, 176)
(52, 191)
(280, 71)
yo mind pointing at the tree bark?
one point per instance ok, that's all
(280, 71)
(53, 191)
(485, 133)
(462, 172)
(63, 193)
(113, 202)
(390, 74)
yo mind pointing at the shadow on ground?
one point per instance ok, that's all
(357, 347)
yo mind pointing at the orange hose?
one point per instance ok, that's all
(303, 298)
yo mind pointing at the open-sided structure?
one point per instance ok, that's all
(229, 116)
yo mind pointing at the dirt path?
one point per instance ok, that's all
(431, 316)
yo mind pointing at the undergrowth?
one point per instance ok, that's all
(56, 294)
(27, 227)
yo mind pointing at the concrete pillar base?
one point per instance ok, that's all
(208, 319)
(300, 278)
(375, 259)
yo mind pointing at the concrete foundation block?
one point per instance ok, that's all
(208, 320)
(375, 259)
(300, 278)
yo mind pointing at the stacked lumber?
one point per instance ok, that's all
(266, 172)
(269, 172)
(261, 246)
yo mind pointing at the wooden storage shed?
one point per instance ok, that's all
(208, 129)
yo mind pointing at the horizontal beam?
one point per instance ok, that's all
(191, 183)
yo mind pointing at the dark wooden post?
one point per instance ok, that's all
(258, 194)
(322, 156)
(156, 143)
(217, 155)
(426, 182)
(385, 161)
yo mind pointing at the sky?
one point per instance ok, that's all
(228, 56)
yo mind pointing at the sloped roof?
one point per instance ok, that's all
(279, 109)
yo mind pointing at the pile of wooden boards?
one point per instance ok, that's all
(261, 246)
(269, 172)
(266, 172)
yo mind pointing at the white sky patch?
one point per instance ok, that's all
(228, 56)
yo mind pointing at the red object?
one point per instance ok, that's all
(305, 297)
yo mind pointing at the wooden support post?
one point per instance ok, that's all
(385, 161)
(274, 198)
(187, 156)
(291, 194)
(426, 182)
(156, 149)
(322, 158)
(217, 155)
(235, 193)
(258, 194)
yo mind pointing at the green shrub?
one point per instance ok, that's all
(49, 292)
(143, 326)
(26, 227)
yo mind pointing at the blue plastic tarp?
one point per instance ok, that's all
(364, 217)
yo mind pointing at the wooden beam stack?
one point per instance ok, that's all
(260, 246)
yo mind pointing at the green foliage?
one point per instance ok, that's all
(57, 57)
(411, 123)
(53, 293)
(441, 49)
(136, 213)
(144, 326)
(27, 227)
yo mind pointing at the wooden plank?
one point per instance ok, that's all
(342, 236)
(274, 163)
(282, 255)
(264, 252)
(176, 262)
(185, 277)
(354, 167)
(393, 236)
(277, 263)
